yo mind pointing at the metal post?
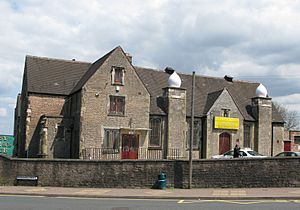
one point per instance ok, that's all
(191, 134)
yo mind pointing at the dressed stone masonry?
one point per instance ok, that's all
(111, 109)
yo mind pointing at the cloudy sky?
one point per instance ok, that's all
(253, 40)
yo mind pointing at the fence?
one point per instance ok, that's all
(143, 154)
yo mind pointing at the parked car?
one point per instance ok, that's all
(288, 154)
(244, 153)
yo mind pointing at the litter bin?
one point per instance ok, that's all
(162, 181)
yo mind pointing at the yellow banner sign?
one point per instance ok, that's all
(227, 123)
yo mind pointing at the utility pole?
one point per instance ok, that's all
(191, 134)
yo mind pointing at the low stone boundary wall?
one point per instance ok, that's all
(267, 172)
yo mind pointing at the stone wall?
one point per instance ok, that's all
(278, 137)
(176, 126)
(268, 172)
(39, 105)
(224, 101)
(95, 116)
(263, 110)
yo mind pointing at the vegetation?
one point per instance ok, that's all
(290, 117)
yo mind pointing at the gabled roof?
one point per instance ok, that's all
(52, 76)
(64, 77)
(211, 99)
(207, 90)
(91, 71)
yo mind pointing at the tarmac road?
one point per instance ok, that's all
(180, 194)
(12, 202)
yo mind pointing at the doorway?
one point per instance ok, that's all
(130, 146)
(287, 146)
(224, 143)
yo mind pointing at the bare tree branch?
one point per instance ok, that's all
(290, 117)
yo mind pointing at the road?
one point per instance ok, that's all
(10, 202)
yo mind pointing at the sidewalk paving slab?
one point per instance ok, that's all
(169, 193)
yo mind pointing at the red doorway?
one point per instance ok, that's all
(287, 146)
(224, 143)
(130, 146)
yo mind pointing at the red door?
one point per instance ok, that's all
(130, 146)
(224, 143)
(287, 146)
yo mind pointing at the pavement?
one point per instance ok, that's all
(169, 193)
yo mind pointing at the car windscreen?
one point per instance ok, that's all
(229, 153)
(254, 153)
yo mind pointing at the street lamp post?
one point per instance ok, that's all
(191, 134)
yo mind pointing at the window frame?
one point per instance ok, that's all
(197, 138)
(117, 106)
(111, 141)
(60, 132)
(247, 136)
(117, 75)
(159, 132)
(297, 139)
(226, 112)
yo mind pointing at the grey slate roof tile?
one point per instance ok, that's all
(53, 76)
(207, 89)
(63, 77)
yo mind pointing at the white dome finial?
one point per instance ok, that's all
(261, 91)
(174, 80)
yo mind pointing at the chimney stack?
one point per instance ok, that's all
(129, 57)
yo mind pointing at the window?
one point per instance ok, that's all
(117, 105)
(111, 140)
(297, 139)
(197, 134)
(155, 133)
(60, 132)
(247, 138)
(117, 75)
(226, 112)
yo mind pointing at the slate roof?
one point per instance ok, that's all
(93, 68)
(211, 98)
(64, 77)
(207, 90)
(53, 76)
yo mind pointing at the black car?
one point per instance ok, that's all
(288, 154)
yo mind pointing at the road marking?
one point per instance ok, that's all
(239, 202)
(13, 195)
(76, 198)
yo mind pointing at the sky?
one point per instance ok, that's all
(251, 40)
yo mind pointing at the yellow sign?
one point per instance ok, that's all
(227, 123)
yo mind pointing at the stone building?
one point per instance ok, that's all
(292, 143)
(111, 109)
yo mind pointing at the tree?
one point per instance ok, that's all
(290, 117)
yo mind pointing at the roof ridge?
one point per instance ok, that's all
(197, 75)
(56, 59)
(148, 68)
(91, 70)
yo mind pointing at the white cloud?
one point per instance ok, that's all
(3, 112)
(291, 102)
(250, 40)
